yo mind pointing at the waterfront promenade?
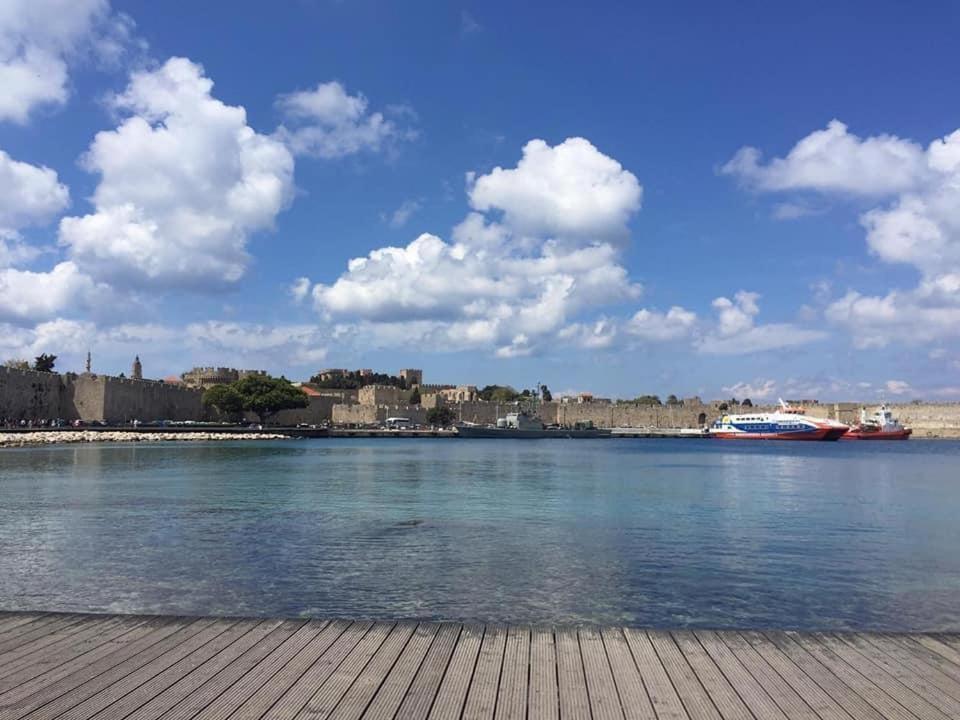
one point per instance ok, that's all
(120, 667)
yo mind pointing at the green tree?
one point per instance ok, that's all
(415, 396)
(545, 393)
(441, 416)
(266, 396)
(44, 362)
(225, 399)
(747, 402)
(648, 400)
(498, 393)
(673, 400)
(723, 407)
(17, 364)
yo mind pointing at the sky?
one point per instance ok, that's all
(715, 199)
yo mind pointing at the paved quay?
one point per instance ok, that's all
(124, 667)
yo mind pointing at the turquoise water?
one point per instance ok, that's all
(663, 533)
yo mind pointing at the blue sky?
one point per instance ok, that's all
(688, 199)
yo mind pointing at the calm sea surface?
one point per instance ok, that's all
(641, 532)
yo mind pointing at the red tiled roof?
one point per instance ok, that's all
(310, 391)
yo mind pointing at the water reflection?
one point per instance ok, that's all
(643, 532)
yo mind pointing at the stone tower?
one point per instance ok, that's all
(137, 369)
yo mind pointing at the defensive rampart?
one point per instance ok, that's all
(28, 395)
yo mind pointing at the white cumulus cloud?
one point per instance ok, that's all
(328, 122)
(915, 222)
(184, 182)
(39, 38)
(736, 332)
(571, 190)
(655, 326)
(29, 194)
(833, 159)
(758, 389)
(30, 296)
(506, 283)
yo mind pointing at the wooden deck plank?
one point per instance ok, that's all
(663, 696)
(806, 687)
(887, 706)
(270, 692)
(482, 696)
(601, 689)
(933, 652)
(91, 678)
(456, 682)
(163, 681)
(226, 704)
(914, 658)
(789, 701)
(86, 667)
(395, 687)
(66, 647)
(372, 677)
(120, 686)
(15, 687)
(56, 664)
(706, 692)
(898, 680)
(329, 695)
(574, 700)
(299, 694)
(543, 694)
(34, 633)
(843, 694)
(18, 626)
(749, 690)
(514, 678)
(423, 691)
(184, 687)
(234, 669)
(11, 621)
(633, 695)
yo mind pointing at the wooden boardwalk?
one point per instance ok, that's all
(105, 667)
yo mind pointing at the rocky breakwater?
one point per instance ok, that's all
(50, 437)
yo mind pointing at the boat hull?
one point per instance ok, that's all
(514, 434)
(820, 434)
(854, 434)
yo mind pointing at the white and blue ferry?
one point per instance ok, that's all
(787, 423)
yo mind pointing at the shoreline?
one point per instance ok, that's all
(35, 438)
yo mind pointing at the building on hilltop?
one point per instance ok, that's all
(412, 376)
(202, 377)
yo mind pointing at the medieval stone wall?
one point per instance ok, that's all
(29, 395)
(376, 414)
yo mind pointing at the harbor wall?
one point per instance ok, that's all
(28, 395)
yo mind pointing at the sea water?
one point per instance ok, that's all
(656, 533)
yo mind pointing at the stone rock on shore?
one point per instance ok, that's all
(20, 439)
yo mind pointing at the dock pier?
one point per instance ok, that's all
(61, 666)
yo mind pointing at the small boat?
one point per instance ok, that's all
(787, 423)
(879, 425)
(520, 425)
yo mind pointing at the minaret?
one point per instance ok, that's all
(88, 362)
(137, 369)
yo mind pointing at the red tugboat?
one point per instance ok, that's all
(881, 425)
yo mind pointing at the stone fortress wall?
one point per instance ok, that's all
(28, 394)
(31, 395)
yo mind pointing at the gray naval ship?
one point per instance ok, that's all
(523, 426)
